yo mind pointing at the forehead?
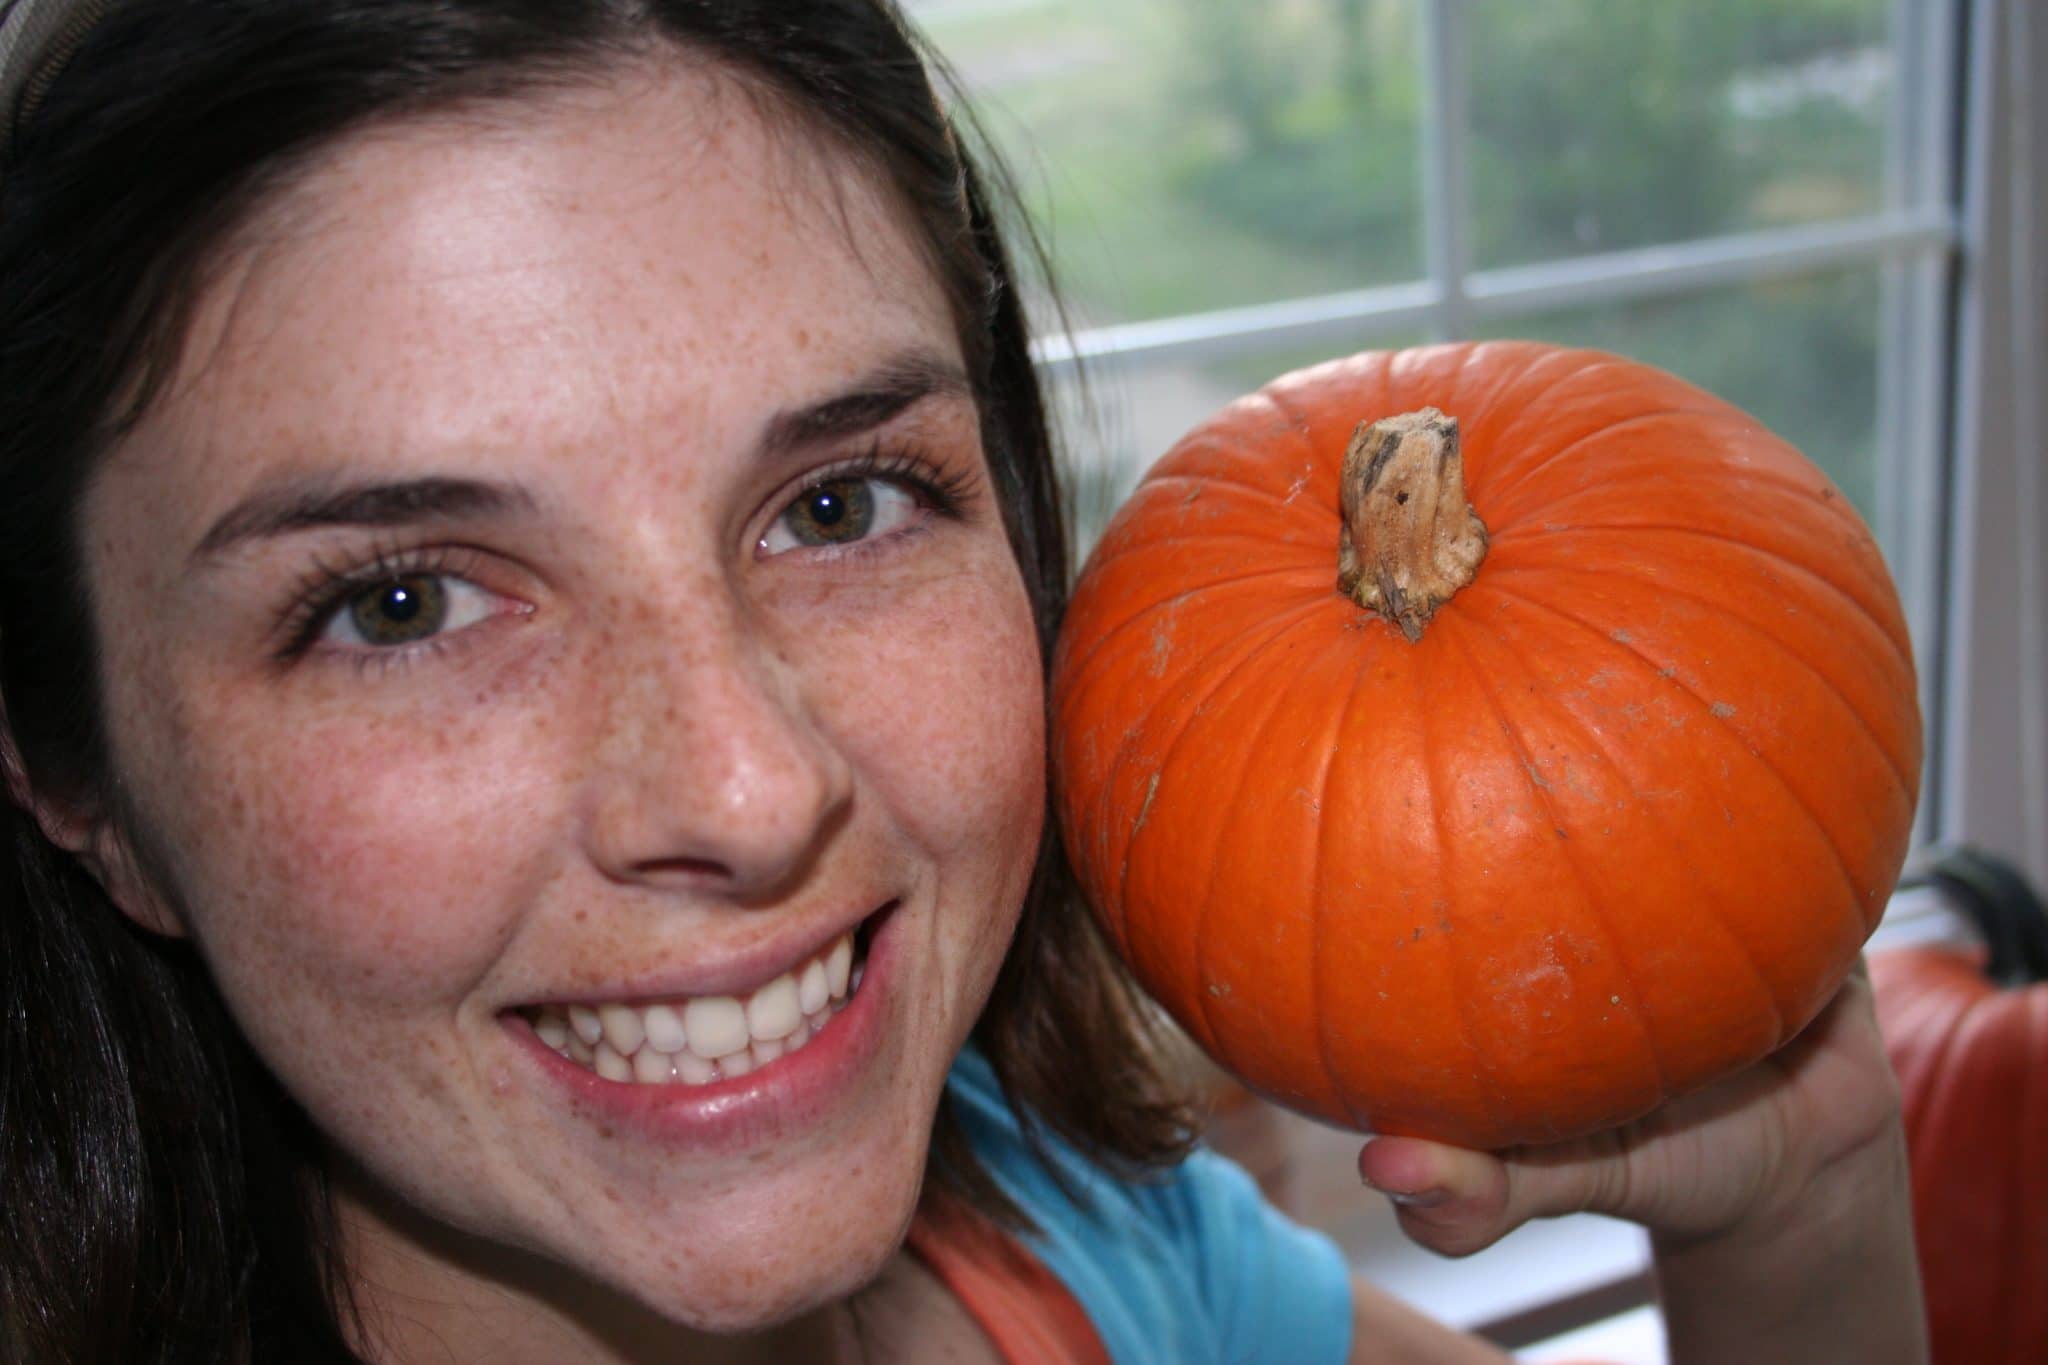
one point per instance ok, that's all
(659, 252)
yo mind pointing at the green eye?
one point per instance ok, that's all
(841, 511)
(834, 513)
(399, 611)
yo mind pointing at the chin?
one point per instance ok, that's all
(738, 1271)
(740, 1297)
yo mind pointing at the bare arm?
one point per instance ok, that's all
(1386, 1331)
(1838, 1282)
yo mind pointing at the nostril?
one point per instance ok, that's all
(700, 869)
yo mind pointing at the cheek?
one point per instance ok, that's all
(368, 863)
(943, 711)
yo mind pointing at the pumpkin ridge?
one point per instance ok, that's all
(1169, 750)
(1503, 387)
(1079, 682)
(1249, 754)
(2005, 1289)
(1520, 538)
(1670, 528)
(2033, 1110)
(1318, 992)
(1252, 649)
(1104, 634)
(1296, 422)
(1532, 406)
(1706, 709)
(1837, 508)
(1738, 941)
(1891, 763)
(1491, 1093)
(1637, 1016)
(1456, 385)
(1513, 480)
(1250, 490)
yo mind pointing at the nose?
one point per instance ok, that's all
(711, 772)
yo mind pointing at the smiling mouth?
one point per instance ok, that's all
(697, 1040)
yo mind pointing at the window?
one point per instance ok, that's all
(1822, 210)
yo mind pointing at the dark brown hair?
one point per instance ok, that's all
(160, 1197)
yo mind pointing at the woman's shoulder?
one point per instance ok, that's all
(1184, 1263)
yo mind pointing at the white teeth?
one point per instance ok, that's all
(651, 1067)
(698, 1041)
(716, 1025)
(853, 981)
(837, 964)
(664, 1029)
(812, 989)
(772, 1011)
(611, 1065)
(622, 1028)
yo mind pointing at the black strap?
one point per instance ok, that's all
(1995, 897)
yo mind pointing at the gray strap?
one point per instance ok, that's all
(36, 36)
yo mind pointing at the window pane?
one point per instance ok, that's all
(1799, 355)
(1184, 155)
(1117, 419)
(1603, 124)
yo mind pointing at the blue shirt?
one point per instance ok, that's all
(1191, 1267)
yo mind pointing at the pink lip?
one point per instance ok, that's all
(795, 1091)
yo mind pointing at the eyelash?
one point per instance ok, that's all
(326, 589)
(944, 491)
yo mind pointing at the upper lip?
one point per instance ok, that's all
(737, 975)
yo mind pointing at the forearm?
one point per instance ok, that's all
(1833, 1278)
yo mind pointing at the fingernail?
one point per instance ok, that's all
(1418, 1199)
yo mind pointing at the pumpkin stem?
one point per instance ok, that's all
(1410, 538)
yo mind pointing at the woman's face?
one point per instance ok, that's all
(564, 590)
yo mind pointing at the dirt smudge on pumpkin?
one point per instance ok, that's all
(1145, 808)
(1160, 658)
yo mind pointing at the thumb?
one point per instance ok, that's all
(1456, 1201)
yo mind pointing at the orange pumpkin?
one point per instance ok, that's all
(1491, 823)
(1968, 1036)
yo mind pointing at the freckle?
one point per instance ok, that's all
(605, 1132)
(582, 915)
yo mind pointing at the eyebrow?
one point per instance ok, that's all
(884, 392)
(306, 504)
(302, 505)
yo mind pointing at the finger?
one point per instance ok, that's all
(1456, 1201)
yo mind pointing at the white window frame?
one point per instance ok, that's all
(1993, 710)
(1916, 238)
(1961, 493)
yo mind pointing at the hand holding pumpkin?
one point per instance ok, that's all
(1756, 1154)
(1508, 751)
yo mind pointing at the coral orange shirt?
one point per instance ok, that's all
(1029, 1315)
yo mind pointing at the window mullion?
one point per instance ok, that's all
(1446, 125)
